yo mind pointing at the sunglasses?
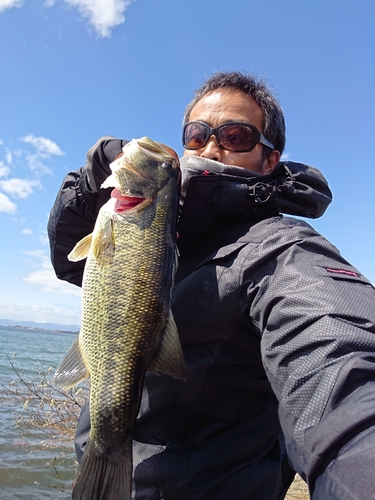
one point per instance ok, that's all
(232, 136)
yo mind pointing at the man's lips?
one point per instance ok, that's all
(125, 203)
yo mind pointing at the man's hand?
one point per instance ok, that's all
(103, 152)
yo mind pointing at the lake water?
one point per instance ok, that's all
(34, 465)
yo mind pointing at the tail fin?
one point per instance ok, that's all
(103, 476)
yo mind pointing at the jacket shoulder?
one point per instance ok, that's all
(276, 225)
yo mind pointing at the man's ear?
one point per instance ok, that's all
(271, 162)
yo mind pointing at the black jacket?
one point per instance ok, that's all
(276, 327)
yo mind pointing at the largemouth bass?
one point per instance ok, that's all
(127, 325)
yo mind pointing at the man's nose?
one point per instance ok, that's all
(212, 151)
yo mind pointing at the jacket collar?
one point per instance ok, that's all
(214, 196)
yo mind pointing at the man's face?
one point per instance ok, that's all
(221, 106)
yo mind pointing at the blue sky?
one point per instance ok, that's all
(74, 70)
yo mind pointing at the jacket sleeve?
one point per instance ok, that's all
(72, 217)
(316, 316)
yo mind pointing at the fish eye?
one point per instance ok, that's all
(167, 165)
(171, 168)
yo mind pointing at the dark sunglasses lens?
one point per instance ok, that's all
(195, 135)
(237, 137)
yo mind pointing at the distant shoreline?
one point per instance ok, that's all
(33, 329)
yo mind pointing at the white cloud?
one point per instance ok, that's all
(43, 237)
(60, 314)
(8, 157)
(6, 205)
(4, 170)
(15, 187)
(102, 15)
(8, 4)
(19, 188)
(36, 165)
(40, 254)
(45, 280)
(45, 147)
(27, 231)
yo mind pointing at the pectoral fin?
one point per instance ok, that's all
(170, 360)
(72, 369)
(103, 244)
(81, 249)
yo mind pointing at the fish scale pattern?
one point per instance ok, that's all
(122, 331)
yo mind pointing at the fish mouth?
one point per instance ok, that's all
(125, 203)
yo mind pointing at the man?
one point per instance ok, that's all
(277, 328)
